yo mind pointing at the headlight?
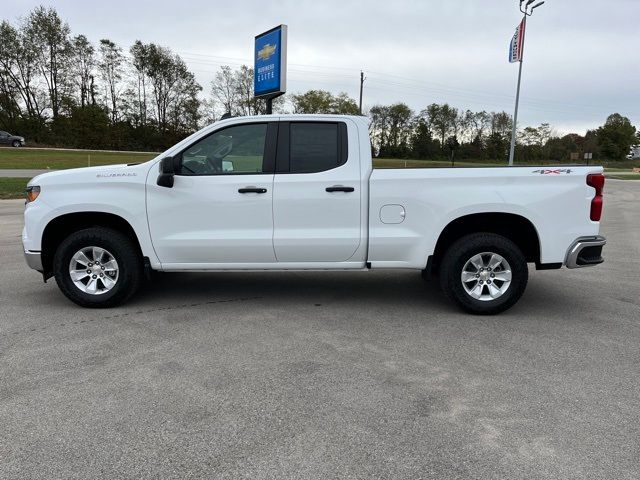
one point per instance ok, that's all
(32, 193)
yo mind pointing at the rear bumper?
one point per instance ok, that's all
(585, 252)
(34, 260)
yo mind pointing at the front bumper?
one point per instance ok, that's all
(585, 252)
(34, 260)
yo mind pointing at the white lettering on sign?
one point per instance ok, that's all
(266, 72)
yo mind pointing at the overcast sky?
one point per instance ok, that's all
(581, 58)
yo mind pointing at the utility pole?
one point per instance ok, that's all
(362, 78)
(519, 57)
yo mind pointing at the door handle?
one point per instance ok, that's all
(252, 190)
(339, 188)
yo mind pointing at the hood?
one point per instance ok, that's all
(123, 171)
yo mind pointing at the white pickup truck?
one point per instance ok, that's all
(299, 192)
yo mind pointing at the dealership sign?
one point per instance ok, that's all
(270, 63)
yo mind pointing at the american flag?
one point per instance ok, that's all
(516, 48)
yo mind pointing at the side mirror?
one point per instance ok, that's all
(167, 172)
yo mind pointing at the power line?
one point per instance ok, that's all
(406, 84)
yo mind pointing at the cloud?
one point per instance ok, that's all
(580, 58)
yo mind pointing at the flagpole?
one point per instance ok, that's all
(514, 131)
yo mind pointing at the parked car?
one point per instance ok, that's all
(299, 192)
(7, 139)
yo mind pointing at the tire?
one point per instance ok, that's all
(16, 143)
(116, 273)
(485, 290)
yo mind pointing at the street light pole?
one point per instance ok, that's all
(527, 13)
(362, 79)
(514, 131)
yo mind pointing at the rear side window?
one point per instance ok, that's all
(316, 147)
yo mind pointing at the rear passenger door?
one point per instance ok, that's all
(316, 193)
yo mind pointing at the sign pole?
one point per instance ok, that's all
(514, 131)
(269, 99)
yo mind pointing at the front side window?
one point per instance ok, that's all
(234, 150)
(313, 147)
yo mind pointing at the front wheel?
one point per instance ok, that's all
(484, 273)
(97, 267)
(16, 143)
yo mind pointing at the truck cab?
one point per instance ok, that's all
(230, 204)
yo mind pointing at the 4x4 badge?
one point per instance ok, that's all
(556, 171)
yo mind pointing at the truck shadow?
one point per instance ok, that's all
(393, 287)
(399, 291)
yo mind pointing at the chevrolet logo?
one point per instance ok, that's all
(265, 52)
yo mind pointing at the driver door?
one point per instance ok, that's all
(219, 212)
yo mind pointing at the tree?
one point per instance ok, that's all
(174, 91)
(18, 71)
(140, 61)
(452, 145)
(499, 136)
(224, 89)
(111, 69)
(84, 62)
(444, 120)
(400, 126)
(343, 104)
(48, 38)
(422, 144)
(616, 137)
(247, 104)
(313, 101)
(322, 101)
(379, 115)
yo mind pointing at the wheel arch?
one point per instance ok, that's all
(62, 226)
(516, 228)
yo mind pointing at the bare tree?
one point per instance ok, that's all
(47, 36)
(19, 70)
(111, 70)
(140, 54)
(224, 89)
(84, 63)
(174, 89)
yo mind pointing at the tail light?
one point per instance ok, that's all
(596, 180)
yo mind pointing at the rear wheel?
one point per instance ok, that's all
(98, 267)
(484, 273)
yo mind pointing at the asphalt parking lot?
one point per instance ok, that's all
(325, 375)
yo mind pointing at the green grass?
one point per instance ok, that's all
(12, 187)
(59, 159)
(615, 167)
(398, 163)
(26, 158)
